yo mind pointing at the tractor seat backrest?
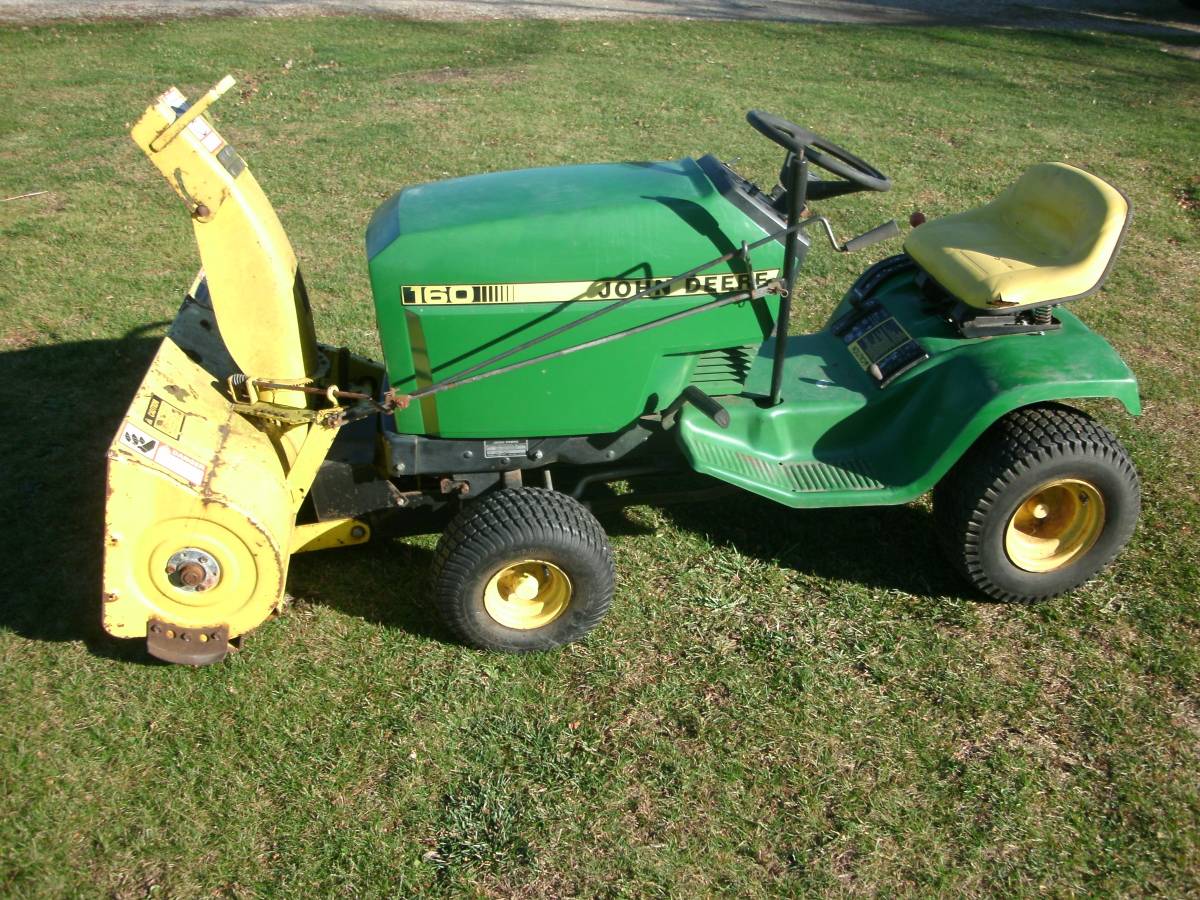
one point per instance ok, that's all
(1048, 237)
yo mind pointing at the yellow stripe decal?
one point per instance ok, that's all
(563, 291)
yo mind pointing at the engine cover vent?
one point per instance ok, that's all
(723, 371)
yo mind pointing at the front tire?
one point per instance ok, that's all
(523, 569)
(1043, 501)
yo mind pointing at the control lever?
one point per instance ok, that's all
(883, 232)
(706, 404)
(874, 236)
(193, 112)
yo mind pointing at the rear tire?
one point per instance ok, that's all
(1043, 501)
(523, 569)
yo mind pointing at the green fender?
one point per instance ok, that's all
(840, 440)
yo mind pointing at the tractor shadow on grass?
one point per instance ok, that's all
(383, 582)
(61, 407)
(889, 547)
(63, 404)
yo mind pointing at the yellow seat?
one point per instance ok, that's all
(1050, 236)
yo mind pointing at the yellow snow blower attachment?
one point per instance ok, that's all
(219, 448)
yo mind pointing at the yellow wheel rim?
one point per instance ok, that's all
(527, 594)
(1055, 525)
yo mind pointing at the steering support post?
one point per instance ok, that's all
(797, 196)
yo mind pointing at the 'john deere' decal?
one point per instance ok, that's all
(562, 291)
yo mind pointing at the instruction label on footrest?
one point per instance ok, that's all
(878, 342)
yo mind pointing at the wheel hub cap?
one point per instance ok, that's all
(527, 594)
(1055, 525)
(193, 571)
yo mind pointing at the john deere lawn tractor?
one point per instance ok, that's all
(549, 333)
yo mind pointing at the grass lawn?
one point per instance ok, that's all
(780, 702)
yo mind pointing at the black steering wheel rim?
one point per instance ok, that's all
(818, 150)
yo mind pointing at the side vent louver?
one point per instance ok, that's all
(723, 371)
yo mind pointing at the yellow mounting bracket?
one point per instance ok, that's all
(248, 398)
(304, 468)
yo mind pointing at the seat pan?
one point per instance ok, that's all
(1050, 236)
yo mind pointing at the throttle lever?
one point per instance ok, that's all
(883, 232)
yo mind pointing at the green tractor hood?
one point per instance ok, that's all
(464, 269)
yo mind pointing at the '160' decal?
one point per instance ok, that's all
(562, 291)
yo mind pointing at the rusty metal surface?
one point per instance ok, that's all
(187, 646)
(454, 486)
(185, 472)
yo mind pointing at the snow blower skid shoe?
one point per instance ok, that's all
(208, 470)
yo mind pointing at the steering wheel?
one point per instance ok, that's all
(819, 151)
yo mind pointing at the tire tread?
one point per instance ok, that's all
(1018, 442)
(512, 517)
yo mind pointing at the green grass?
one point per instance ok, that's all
(780, 702)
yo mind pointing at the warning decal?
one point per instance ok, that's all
(162, 416)
(563, 291)
(138, 440)
(184, 466)
(206, 134)
(190, 470)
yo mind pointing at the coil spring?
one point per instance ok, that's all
(1043, 315)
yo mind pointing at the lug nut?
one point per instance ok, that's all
(191, 574)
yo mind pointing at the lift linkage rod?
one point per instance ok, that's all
(771, 287)
(473, 374)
